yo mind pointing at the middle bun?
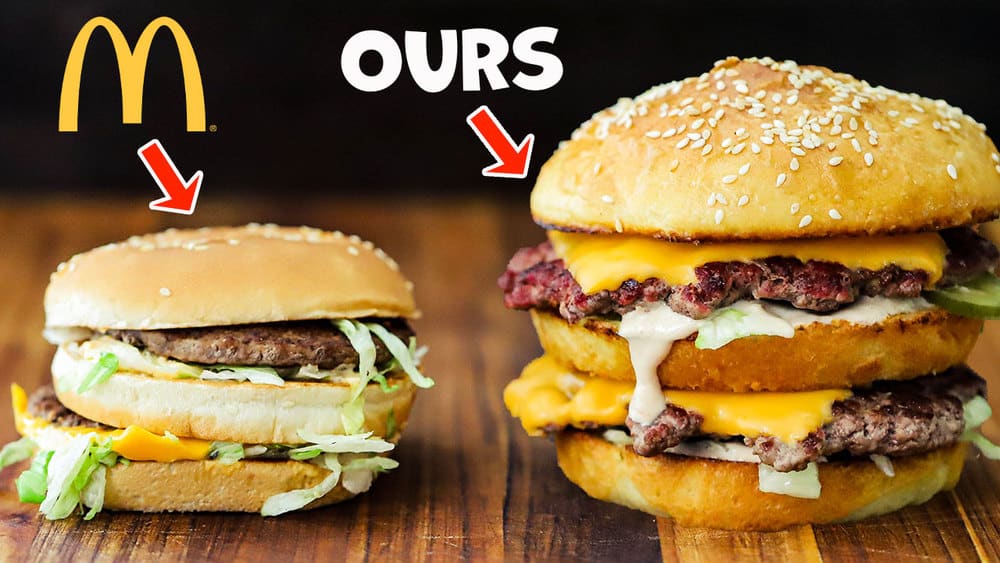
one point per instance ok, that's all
(819, 356)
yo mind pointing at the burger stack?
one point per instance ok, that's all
(257, 369)
(758, 292)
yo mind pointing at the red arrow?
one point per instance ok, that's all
(511, 161)
(180, 196)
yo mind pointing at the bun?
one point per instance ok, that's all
(819, 356)
(226, 276)
(227, 411)
(618, 174)
(722, 494)
(148, 486)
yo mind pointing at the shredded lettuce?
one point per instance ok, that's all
(259, 375)
(801, 484)
(17, 451)
(884, 464)
(71, 477)
(105, 367)
(738, 321)
(228, 453)
(332, 443)
(299, 498)
(131, 358)
(361, 340)
(977, 411)
(31, 483)
(360, 472)
(402, 354)
(390, 424)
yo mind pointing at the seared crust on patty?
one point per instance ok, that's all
(819, 356)
(44, 404)
(272, 344)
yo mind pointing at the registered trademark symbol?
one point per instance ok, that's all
(213, 128)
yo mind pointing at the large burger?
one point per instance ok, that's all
(756, 297)
(258, 368)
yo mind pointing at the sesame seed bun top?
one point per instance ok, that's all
(759, 149)
(226, 276)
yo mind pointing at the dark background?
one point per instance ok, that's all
(288, 123)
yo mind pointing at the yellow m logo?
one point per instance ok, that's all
(132, 70)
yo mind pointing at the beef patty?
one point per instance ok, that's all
(537, 278)
(44, 404)
(284, 344)
(893, 418)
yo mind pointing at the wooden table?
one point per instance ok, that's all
(471, 484)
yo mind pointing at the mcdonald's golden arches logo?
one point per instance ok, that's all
(132, 70)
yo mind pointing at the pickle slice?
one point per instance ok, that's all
(978, 299)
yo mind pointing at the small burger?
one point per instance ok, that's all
(757, 295)
(255, 369)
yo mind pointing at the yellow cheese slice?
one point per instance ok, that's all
(548, 396)
(603, 262)
(132, 443)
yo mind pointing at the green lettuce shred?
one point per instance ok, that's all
(227, 453)
(977, 411)
(31, 483)
(402, 354)
(801, 484)
(68, 479)
(739, 321)
(299, 498)
(105, 367)
(16, 451)
(259, 375)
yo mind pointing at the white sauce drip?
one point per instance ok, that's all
(651, 330)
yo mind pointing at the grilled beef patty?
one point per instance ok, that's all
(284, 344)
(537, 278)
(44, 404)
(893, 418)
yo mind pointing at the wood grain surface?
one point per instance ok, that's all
(471, 484)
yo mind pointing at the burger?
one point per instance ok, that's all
(757, 295)
(250, 369)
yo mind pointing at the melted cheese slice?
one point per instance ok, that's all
(548, 396)
(603, 262)
(132, 443)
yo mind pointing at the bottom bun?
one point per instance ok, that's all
(148, 486)
(722, 494)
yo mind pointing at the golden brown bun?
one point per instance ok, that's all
(226, 276)
(722, 494)
(819, 356)
(227, 411)
(617, 173)
(207, 485)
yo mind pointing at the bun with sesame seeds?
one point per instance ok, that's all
(186, 278)
(758, 149)
(273, 367)
(738, 266)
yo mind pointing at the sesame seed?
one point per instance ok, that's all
(652, 133)
(780, 180)
(706, 150)
(683, 143)
(869, 159)
(618, 225)
(668, 133)
(353, 250)
(893, 113)
(952, 171)
(743, 201)
(853, 124)
(997, 168)
(720, 85)
(917, 108)
(694, 136)
(729, 179)
(741, 87)
(674, 164)
(711, 199)
(755, 148)
(995, 157)
(798, 152)
(836, 160)
(738, 148)
(697, 123)
(856, 145)
(792, 100)
(767, 140)
(794, 164)
(698, 143)
(597, 168)
(607, 199)
(719, 215)
(164, 291)
(835, 215)
(744, 169)
(721, 199)
(795, 208)
(806, 220)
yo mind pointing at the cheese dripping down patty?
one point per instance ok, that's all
(604, 262)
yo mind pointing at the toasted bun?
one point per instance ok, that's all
(148, 486)
(226, 411)
(819, 356)
(226, 276)
(630, 168)
(722, 494)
